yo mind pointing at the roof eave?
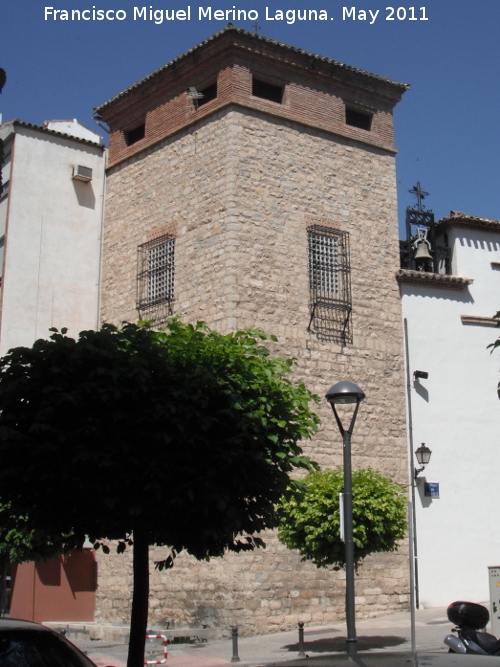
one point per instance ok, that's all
(397, 86)
(55, 133)
(459, 219)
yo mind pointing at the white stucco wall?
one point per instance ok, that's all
(5, 185)
(3, 214)
(456, 412)
(52, 251)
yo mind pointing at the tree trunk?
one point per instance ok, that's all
(4, 569)
(140, 598)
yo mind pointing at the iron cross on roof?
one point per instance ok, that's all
(419, 194)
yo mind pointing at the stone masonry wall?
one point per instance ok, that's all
(240, 189)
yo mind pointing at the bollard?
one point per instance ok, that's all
(234, 633)
(301, 640)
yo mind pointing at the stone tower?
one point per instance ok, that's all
(251, 183)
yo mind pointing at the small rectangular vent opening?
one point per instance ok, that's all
(135, 135)
(209, 93)
(358, 119)
(81, 173)
(267, 91)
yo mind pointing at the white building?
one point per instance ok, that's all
(50, 229)
(456, 411)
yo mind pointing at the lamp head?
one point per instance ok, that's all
(344, 392)
(423, 454)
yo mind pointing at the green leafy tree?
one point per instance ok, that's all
(184, 438)
(310, 518)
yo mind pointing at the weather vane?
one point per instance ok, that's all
(256, 26)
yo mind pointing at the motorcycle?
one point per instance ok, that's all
(469, 619)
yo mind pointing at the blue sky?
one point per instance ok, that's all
(447, 125)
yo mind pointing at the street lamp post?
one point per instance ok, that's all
(340, 394)
(423, 456)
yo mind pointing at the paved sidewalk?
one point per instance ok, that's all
(323, 644)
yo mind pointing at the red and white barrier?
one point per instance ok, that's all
(165, 654)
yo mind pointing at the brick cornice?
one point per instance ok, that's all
(144, 147)
(432, 279)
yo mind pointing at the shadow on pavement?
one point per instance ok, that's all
(337, 644)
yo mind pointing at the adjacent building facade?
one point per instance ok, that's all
(51, 205)
(249, 184)
(50, 229)
(448, 308)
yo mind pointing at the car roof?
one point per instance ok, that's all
(18, 624)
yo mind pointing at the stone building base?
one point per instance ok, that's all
(269, 590)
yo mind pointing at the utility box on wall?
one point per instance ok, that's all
(494, 577)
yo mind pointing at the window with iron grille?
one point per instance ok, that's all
(329, 284)
(155, 281)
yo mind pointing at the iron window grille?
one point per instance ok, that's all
(330, 298)
(155, 280)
